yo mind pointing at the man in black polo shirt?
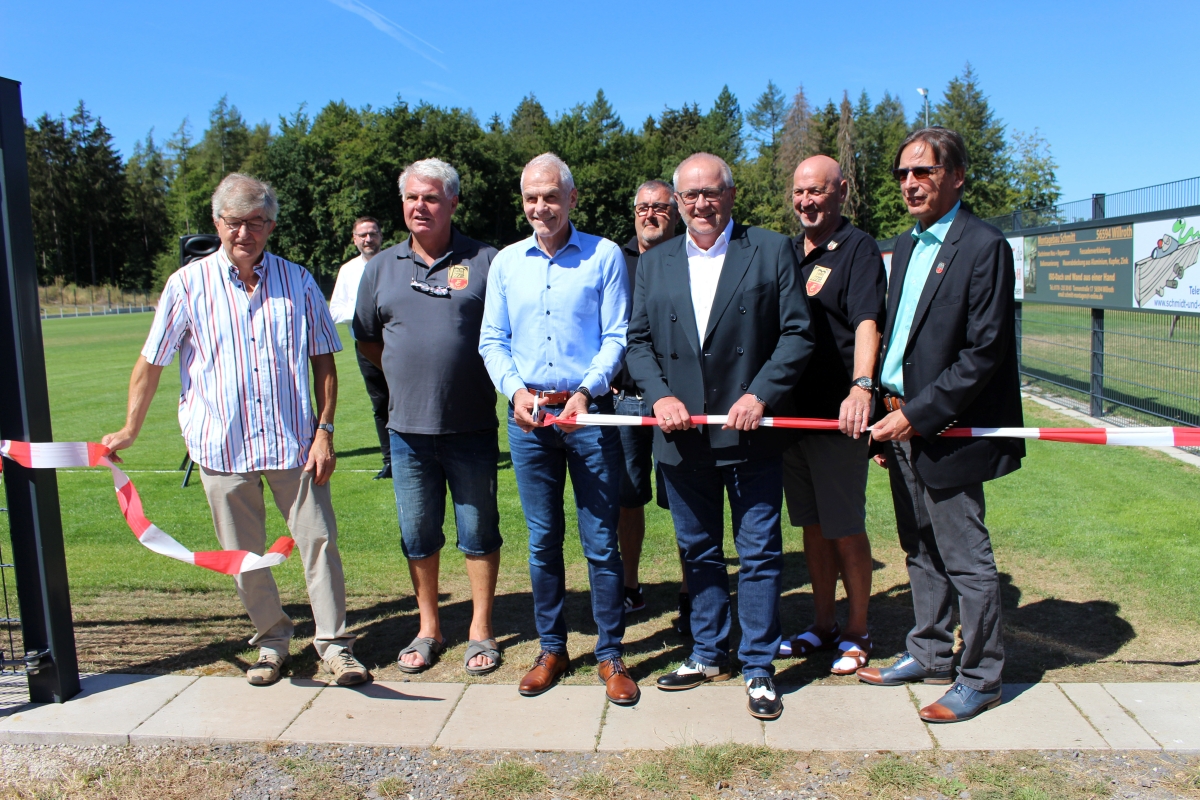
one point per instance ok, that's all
(419, 311)
(656, 215)
(825, 473)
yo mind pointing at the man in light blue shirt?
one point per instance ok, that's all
(927, 244)
(553, 337)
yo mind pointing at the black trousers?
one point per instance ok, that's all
(377, 390)
(949, 554)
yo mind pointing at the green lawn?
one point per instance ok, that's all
(1104, 523)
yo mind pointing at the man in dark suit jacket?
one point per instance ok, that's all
(720, 325)
(949, 358)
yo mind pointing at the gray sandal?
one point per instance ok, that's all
(428, 649)
(482, 647)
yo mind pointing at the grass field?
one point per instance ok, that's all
(1097, 545)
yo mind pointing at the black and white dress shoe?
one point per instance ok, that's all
(764, 702)
(690, 675)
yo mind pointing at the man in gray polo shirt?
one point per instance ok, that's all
(419, 311)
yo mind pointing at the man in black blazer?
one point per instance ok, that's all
(949, 358)
(720, 325)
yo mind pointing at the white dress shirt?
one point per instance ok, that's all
(345, 290)
(704, 271)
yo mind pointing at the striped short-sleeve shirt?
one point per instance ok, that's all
(245, 403)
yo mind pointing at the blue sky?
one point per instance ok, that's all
(1110, 85)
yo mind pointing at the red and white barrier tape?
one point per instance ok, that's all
(1136, 437)
(89, 454)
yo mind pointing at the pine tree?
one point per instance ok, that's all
(880, 132)
(847, 157)
(1035, 184)
(146, 217)
(766, 119)
(795, 137)
(965, 109)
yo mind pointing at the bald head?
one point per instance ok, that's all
(818, 192)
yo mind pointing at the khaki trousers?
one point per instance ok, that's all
(240, 517)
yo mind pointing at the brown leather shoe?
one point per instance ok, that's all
(547, 668)
(620, 688)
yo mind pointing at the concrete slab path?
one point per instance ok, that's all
(120, 709)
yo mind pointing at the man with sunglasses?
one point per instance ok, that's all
(949, 358)
(420, 306)
(248, 325)
(553, 338)
(721, 326)
(367, 239)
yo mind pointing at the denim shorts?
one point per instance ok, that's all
(637, 444)
(423, 466)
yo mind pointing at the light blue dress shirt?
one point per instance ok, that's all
(556, 323)
(925, 251)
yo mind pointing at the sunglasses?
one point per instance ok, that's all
(432, 291)
(920, 173)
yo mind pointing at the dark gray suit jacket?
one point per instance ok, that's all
(758, 340)
(960, 360)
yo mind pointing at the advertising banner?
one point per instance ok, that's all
(1165, 274)
(1090, 267)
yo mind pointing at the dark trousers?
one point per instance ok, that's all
(377, 390)
(697, 500)
(948, 552)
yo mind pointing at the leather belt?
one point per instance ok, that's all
(893, 403)
(552, 398)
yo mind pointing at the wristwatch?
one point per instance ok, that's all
(865, 383)
(758, 399)
(583, 390)
(327, 427)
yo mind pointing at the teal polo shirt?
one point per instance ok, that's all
(925, 251)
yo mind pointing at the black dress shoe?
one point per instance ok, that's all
(384, 474)
(764, 702)
(690, 675)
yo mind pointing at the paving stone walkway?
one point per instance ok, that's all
(119, 709)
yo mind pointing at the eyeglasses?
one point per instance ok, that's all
(432, 291)
(253, 225)
(711, 194)
(644, 209)
(368, 235)
(920, 173)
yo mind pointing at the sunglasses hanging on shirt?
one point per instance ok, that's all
(429, 289)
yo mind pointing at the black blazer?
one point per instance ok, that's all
(758, 340)
(960, 361)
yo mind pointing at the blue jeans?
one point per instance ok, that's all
(541, 460)
(697, 500)
(637, 446)
(422, 466)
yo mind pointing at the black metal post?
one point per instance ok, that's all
(1097, 389)
(34, 522)
(1017, 332)
(1098, 206)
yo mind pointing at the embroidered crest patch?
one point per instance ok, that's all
(459, 276)
(817, 279)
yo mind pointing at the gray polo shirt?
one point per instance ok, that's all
(436, 377)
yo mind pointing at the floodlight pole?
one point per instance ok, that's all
(925, 93)
(35, 525)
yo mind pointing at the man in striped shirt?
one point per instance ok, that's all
(247, 324)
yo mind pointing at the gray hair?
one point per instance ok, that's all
(726, 172)
(655, 183)
(433, 169)
(239, 194)
(551, 163)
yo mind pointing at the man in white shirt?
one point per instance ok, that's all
(720, 325)
(368, 239)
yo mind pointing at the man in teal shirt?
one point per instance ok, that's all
(949, 358)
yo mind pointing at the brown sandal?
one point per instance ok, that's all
(854, 652)
(809, 641)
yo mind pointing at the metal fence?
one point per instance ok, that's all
(1160, 197)
(10, 626)
(1131, 367)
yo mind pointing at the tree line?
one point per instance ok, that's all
(102, 219)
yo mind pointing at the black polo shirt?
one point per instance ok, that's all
(436, 378)
(622, 381)
(846, 284)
